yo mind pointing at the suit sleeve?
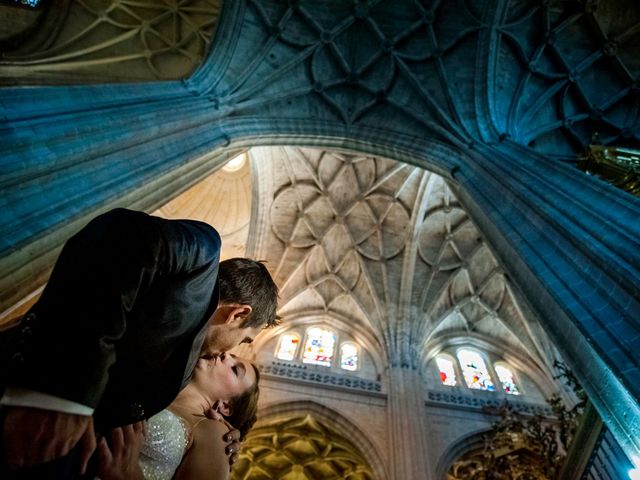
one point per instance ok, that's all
(102, 273)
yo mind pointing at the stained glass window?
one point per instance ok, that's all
(447, 371)
(475, 371)
(506, 379)
(319, 347)
(349, 356)
(26, 3)
(288, 346)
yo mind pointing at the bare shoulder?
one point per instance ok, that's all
(206, 457)
(209, 429)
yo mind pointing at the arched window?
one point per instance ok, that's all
(506, 379)
(288, 346)
(447, 371)
(475, 370)
(319, 347)
(349, 356)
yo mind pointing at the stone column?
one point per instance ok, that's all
(67, 156)
(406, 418)
(570, 243)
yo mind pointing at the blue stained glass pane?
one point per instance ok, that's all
(475, 371)
(349, 357)
(506, 378)
(26, 3)
(319, 347)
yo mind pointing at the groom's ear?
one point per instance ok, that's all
(237, 313)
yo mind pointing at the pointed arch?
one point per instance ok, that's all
(362, 335)
(336, 421)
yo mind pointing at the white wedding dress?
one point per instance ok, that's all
(165, 443)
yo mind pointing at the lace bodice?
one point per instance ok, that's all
(165, 443)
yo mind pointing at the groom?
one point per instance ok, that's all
(131, 303)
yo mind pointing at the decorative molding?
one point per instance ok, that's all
(477, 403)
(301, 373)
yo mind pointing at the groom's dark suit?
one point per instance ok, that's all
(120, 324)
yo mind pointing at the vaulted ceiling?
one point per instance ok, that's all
(375, 247)
(498, 96)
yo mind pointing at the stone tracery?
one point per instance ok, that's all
(332, 212)
(300, 448)
(96, 40)
(261, 90)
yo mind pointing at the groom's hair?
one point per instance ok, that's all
(246, 281)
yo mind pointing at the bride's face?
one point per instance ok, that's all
(224, 375)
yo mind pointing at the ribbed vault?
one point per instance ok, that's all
(105, 40)
(387, 247)
(498, 96)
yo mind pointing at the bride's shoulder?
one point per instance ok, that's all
(207, 427)
(206, 458)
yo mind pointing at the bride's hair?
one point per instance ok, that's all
(244, 407)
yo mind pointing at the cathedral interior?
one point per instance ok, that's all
(445, 191)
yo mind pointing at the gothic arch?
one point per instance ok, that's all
(540, 374)
(470, 442)
(363, 336)
(570, 242)
(340, 425)
(524, 456)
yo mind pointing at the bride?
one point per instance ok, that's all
(184, 441)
